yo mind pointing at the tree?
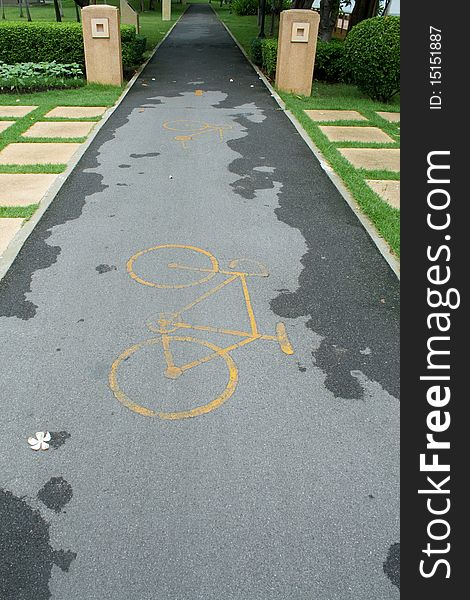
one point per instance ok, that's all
(363, 9)
(329, 10)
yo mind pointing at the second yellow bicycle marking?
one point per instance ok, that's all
(167, 323)
(192, 130)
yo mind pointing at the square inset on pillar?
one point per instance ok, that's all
(300, 32)
(100, 28)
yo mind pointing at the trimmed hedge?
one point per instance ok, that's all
(60, 42)
(256, 51)
(330, 63)
(372, 52)
(269, 56)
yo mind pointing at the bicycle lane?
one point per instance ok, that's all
(286, 489)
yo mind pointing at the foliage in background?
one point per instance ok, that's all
(61, 42)
(372, 54)
(22, 77)
(243, 8)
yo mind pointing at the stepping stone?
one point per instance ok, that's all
(76, 112)
(8, 230)
(5, 124)
(387, 189)
(24, 189)
(59, 129)
(41, 154)
(372, 159)
(335, 115)
(355, 134)
(15, 111)
(392, 117)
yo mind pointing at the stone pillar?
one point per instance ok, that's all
(102, 43)
(297, 43)
(166, 10)
(128, 15)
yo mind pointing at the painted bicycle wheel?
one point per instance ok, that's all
(141, 407)
(172, 266)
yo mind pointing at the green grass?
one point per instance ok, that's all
(90, 95)
(340, 97)
(18, 212)
(47, 168)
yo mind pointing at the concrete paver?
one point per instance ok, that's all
(18, 189)
(199, 260)
(8, 230)
(5, 124)
(76, 112)
(387, 189)
(59, 129)
(335, 115)
(15, 111)
(37, 153)
(392, 117)
(373, 158)
(336, 133)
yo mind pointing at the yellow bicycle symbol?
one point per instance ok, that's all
(168, 323)
(191, 130)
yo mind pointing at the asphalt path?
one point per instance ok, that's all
(211, 338)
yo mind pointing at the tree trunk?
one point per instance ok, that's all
(21, 8)
(58, 18)
(77, 12)
(28, 14)
(61, 8)
(3, 9)
(363, 9)
(329, 10)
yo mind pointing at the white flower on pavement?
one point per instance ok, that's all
(40, 441)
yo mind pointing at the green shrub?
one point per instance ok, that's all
(269, 51)
(256, 51)
(45, 42)
(372, 54)
(60, 42)
(23, 77)
(243, 8)
(330, 63)
(132, 50)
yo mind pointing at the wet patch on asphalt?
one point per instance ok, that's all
(391, 565)
(55, 494)
(58, 438)
(105, 268)
(26, 554)
(149, 154)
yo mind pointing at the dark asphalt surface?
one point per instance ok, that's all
(289, 489)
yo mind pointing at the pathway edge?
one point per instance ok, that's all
(18, 241)
(379, 242)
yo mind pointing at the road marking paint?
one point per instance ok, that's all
(168, 323)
